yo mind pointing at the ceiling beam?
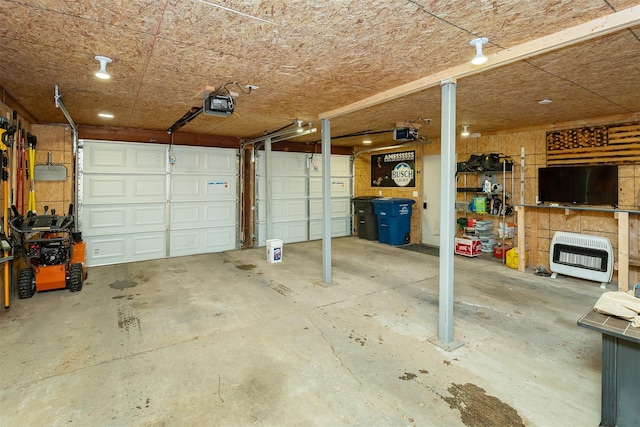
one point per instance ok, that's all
(589, 30)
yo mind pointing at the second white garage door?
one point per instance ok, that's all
(296, 192)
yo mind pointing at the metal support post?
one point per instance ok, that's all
(326, 201)
(447, 215)
(268, 172)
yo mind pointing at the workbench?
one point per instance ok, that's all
(620, 369)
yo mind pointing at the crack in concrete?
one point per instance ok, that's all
(335, 353)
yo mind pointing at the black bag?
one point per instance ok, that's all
(475, 163)
(497, 162)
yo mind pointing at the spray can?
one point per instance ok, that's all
(486, 188)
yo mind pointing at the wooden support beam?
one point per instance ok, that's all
(522, 251)
(623, 250)
(589, 30)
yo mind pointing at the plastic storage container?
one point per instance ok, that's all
(394, 219)
(512, 258)
(274, 250)
(367, 219)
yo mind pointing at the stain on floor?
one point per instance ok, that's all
(128, 321)
(245, 267)
(477, 409)
(360, 340)
(408, 376)
(123, 284)
(281, 289)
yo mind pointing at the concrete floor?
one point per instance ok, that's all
(229, 339)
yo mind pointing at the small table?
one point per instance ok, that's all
(620, 368)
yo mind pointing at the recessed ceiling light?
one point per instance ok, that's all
(105, 115)
(545, 101)
(366, 141)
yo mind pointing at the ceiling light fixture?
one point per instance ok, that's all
(545, 101)
(479, 59)
(366, 142)
(105, 115)
(465, 130)
(102, 72)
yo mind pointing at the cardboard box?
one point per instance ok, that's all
(469, 246)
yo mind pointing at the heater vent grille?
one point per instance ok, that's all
(583, 256)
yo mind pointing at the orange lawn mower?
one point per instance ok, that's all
(52, 254)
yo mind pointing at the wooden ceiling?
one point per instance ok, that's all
(311, 57)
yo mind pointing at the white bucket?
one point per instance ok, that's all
(274, 250)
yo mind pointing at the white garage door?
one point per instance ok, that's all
(296, 191)
(133, 206)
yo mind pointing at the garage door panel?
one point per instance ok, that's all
(196, 160)
(185, 215)
(283, 187)
(116, 248)
(100, 219)
(113, 157)
(185, 242)
(192, 242)
(105, 220)
(288, 232)
(220, 239)
(104, 187)
(284, 164)
(285, 210)
(220, 188)
(339, 208)
(117, 189)
(291, 187)
(202, 187)
(220, 213)
(148, 216)
(340, 165)
(222, 161)
(339, 227)
(340, 187)
(149, 187)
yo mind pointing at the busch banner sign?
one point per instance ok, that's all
(393, 169)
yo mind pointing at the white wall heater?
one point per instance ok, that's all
(583, 256)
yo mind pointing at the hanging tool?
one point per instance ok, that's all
(31, 143)
(20, 166)
(5, 142)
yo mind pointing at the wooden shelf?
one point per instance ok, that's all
(622, 215)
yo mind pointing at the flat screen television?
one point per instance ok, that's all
(586, 185)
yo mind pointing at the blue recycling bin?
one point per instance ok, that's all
(394, 219)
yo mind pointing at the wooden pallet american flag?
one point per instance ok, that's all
(617, 144)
